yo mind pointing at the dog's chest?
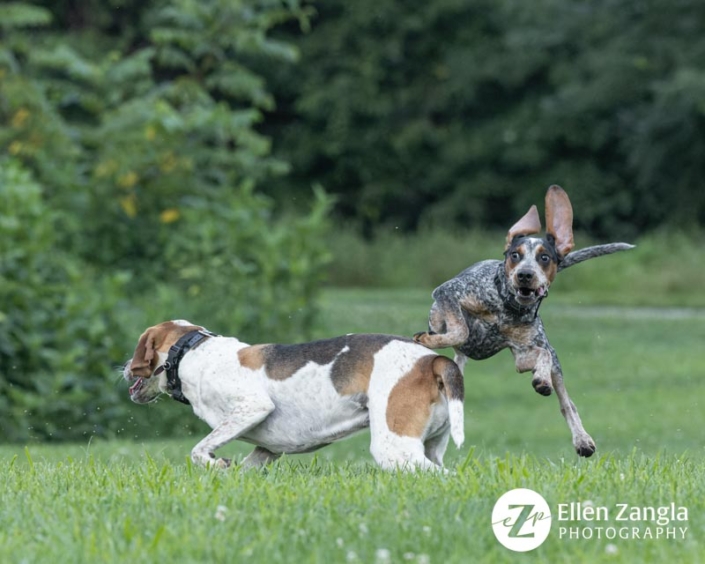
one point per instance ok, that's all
(492, 325)
(487, 338)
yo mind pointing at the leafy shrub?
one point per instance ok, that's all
(58, 334)
(138, 123)
(236, 267)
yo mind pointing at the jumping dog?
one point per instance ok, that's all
(493, 305)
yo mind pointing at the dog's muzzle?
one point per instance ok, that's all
(526, 289)
(136, 386)
(528, 294)
(142, 390)
(135, 383)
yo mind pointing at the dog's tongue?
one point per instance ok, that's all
(541, 292)
(135, 386)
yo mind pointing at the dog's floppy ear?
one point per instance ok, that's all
(559, 219)
(157, 338)
(530, 224)
(141, 364)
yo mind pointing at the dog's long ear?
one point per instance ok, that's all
(141, 364)
(559, 219)
(530, 224)
(157, 338)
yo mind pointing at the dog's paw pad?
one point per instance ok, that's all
(542, 387)
(586, 448)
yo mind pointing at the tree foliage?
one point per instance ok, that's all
(58, 328)
(463, 112)
(129, 182)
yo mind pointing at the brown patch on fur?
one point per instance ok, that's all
(530, 224)
(352, 369)
(551, 269)
(478, 309)
(252, 357)
(159, 338)
(448, 376)
(509, 265)
(283, 361)
(409, 403)
(350, 373)
(525, 359)
(518, 334)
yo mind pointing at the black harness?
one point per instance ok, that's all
(176, 353)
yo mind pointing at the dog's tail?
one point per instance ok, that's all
(592, 252)
(448, 374)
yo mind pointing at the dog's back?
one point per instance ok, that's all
(323, 391)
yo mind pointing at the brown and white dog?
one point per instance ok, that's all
(298, 398)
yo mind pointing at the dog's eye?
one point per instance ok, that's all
(544, 258)
(515, 256)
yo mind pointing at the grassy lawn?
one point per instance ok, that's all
(637, 377)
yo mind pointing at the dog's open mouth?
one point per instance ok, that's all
(530, 294)
(136, 386)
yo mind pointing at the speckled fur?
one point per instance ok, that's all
(479, 312)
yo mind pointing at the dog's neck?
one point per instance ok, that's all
(509, 302)
(176, 353)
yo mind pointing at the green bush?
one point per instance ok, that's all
(58, 335)
(129, 194)
(238, 268)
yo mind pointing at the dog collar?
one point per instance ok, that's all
(176, 353)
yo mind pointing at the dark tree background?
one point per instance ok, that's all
(465, 111)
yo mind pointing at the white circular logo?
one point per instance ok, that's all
(521, 520)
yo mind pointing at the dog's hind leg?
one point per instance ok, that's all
(583, 443)
(258, 458)
(245, 416)
(402, 418)
(435, 447)
(447, 326)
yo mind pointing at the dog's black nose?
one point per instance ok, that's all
(525, 276)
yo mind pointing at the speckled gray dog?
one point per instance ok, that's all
(494, 304)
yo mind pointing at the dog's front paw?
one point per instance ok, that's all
(542, 387)
(585, 446)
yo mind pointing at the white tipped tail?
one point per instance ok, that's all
(449, 373)
(456, 414)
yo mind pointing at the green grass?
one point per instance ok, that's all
(637, 378)
(144, 507)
